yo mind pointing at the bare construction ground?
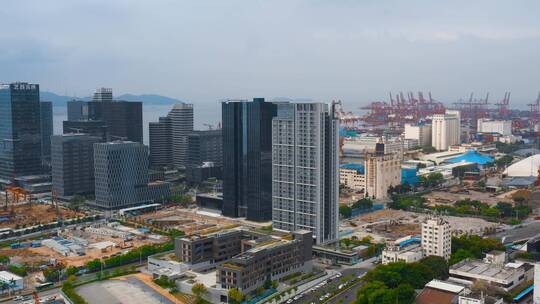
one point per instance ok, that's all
(34, 214)
(393, 224)
(448, 198)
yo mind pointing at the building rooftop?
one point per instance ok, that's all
(445, 286)
(494, 271)
(472, 156)
(8, 276)
(358, 167)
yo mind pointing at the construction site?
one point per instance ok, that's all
(78, 245)
(20, 209)
(391, 224)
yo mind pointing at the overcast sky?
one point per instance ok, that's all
(202, 51)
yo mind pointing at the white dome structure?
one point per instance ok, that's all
(525, 167)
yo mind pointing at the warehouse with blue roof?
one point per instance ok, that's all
(472, 156)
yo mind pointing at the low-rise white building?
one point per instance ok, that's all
(505, 277)
(407, 249)
(14, 281)
(352, 176)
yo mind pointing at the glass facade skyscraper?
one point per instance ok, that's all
(247, 159)
(20, 130)
(46, 130)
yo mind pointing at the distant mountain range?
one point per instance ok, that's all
(60, 100)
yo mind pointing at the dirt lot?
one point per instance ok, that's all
(448, 198)
(28, 215)
(393, 224)
(24, 256)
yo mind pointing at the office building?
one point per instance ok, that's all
(169, 137)
(103, 95)
(437, 238)
(205, 146)
(95, 128)
(502, 127)
(381, 172)
(46, 110)
(72, 162)
(20, 131)
(446, 130)
(420, 132)
(75, 110)
(305, 170)
(121, 176)
(123, 118)
(210, 248)
(247, 159)
(266, 260)
(160, 140)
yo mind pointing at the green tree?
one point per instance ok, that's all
(71, 270)
(460, 255)
(235, 296)
(405, 294)
(364, 203)
(504, 161)
(199, 290)
(345, 211)
(438, 265)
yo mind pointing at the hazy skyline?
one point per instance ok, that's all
(203, 51)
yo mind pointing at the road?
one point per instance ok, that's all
(43, 294)
(348, 296)
(521, 232)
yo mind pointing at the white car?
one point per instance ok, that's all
(341, 286)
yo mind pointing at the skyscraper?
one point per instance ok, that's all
(247, 159)
(123, 118)
(168, 137)
(205, 146)
(72, 163)
(305, 170)
(160, 140)
(46, 129)
(181, 117)
(20, 130)
(121, 176)
(103, 95)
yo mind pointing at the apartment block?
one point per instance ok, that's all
(437, 238)
(305, 177)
